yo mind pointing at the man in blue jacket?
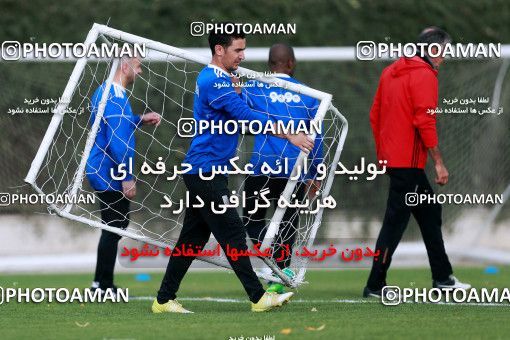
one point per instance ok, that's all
(273, 151)
(114, 146)
(217, 104)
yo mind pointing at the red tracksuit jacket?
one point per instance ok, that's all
(402, 128)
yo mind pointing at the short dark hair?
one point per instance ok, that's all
(280, 53)
(432, 35)
(224, 39)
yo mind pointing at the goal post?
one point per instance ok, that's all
(59, 111)
(59, 165)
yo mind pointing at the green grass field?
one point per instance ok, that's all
(332, 299)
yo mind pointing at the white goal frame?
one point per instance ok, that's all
(98, 31)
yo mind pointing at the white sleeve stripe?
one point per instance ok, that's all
(116, 116)
(220, 97)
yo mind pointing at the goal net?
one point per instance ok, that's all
(167, 86)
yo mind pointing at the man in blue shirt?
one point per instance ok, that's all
(217, 103)
(114, 145)
(288, 106)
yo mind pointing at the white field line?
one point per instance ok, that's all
(346, 301)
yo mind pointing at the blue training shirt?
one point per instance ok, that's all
(285, 105)
(216, 101)
(115, 140)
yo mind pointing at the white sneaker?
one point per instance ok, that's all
(452, 282)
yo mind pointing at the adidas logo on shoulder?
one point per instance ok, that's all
(218, 73)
